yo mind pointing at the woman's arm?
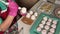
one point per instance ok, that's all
(13, 8)
(5, 25)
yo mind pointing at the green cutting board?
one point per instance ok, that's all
(33, 29)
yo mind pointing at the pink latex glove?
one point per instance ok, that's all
(10, 0)
(13, 8)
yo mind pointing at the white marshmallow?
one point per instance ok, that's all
(38, 29)
(43, 22)
(36, 14)
(58, 12)
(50, 20)
(47, 27)
(41, 25)
(53, 26)
(48, 23)
(28, 15)
(55, 22)
(33, 17)
(19, 8)
(50, 33)
(24, 10)
(31, 12)
(44, 32)
(45, 18)
(52, 30)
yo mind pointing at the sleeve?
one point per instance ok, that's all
(1, 32)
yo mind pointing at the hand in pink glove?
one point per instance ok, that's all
(13, 8)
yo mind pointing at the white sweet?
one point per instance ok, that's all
(48, 23)
(53, 26)
(33, 17)
(43, 22)
(45, 18)
(52, 30)
(36, 14)
(47, 27)
(19, 8)
(24, 10)
(55, 22)
(38, 29)
(44, 32)
(50, 33)
(41, 25)
(28, 15)
(31, 12)
(58, 12)
(50, 20)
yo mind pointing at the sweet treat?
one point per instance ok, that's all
(31, 12)
(23, 11)
(48, 23)
(45, 18)
(47, 27)
(33, 17)
(41, 25)
(50, 33)
(54, 21)
(38, 29)
(49, 20)
(53, 26)
(28, 15)
(43, 22)
(36, 14)
(44, 32)
(52, 30)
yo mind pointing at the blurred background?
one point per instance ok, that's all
(26, 3)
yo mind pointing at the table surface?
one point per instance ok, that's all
(24, 28)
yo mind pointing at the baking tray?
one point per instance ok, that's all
(37, 22)
(48, 12)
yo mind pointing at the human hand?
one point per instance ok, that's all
(13, 8)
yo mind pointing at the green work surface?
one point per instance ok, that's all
(33, 29)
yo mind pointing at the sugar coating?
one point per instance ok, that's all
(44, 32)
(38, 29)
(48, 23)
(33, 17)
(28, 15)
(45, 18)
(36, 14)
(52, 30)
(53, 26)
(50, 20)
(50, 33)
(41, 25)
(24, 10)
(43, 22)
(31, 12)
(47, 27)
(58, 12)
(55, 22)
